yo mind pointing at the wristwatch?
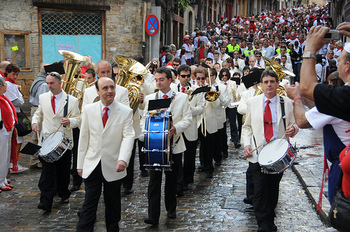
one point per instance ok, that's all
(309, 55)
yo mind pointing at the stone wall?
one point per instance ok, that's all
(123, 28)
(21, 15)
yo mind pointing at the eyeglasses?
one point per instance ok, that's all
(184, 76)
(199, 78)
(176, 64)
(224, 75)
(257, 56)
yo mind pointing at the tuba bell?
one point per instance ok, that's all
(211, 95)
(130, 77)
(71, 85)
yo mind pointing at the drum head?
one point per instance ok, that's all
(51, 142)
(272, 152)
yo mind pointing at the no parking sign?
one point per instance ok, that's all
(152, 25)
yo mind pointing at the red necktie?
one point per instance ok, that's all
(194, 82)
(259, 62)
(165, 96)
(183, 89)
(225, 83)
(268, 130)
(53, 104)
(105, 116)
(284, 64)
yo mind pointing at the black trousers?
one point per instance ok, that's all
(189, 160)
(234, 118)
(266, 190)
(249, 184)
(142, 155)
(128, 181)
(222, 141)
(54, 179)
(209, 149)
(154, 189)
(111, 195)
(77, 180)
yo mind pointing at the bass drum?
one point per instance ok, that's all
(53, 147)
(157, 140)
(277, 156)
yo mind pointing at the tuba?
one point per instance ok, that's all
(130, 77)
(281, 72)
(71, 85)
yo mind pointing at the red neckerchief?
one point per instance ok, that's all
(2, 74)
(6, 112)
(10, 80)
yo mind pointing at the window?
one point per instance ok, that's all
(14, 47)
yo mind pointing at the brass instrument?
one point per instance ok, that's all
(130, 77)
(234, 95)
(71, 85)
(281, 72)
(211, 95)
(189, 91)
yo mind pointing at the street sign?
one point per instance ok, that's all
(152, 25)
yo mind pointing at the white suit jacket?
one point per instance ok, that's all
(197, 107)
(181, 114)
(50, 122)
(242, 107)
(254, 122)
(219, 111)
(110, 144)
(121, 95)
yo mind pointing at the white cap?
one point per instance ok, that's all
(347, 47)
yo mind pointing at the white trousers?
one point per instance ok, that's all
(5, 154)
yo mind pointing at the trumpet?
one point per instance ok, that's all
(189, 91)
(211, 95)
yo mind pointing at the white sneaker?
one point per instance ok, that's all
(20, 169)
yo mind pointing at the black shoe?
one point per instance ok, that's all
(179, 193)
(151, 221)
(274, 228)
(248, 201)
(201, 168)
(171, 215)
(144, 173)
(209, 175)
(75, 188)
(64, 200)
(238, 145)
(128, 191)
(45, 208)
(185, 187)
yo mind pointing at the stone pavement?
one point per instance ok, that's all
(209, 205)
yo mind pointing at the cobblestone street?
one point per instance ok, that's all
(209, 204)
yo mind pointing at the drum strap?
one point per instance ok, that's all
(65, 110)
(283, 112)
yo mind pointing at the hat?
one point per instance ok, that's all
(186, 38)
(55, 67)
(220, 41)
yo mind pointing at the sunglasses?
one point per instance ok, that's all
(55, 75)
(184, 76)
(199, 78)
(258, 56)
(176, 64)
(224, 75)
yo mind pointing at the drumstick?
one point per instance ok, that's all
(255, 149)
(38, 135)
(284, 135)
(67, 116)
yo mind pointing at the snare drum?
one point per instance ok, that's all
(53, 147)
(157, 140)
(277, 156)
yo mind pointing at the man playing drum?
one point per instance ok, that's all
(182, 117)
(56, 108)
(264, 123)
